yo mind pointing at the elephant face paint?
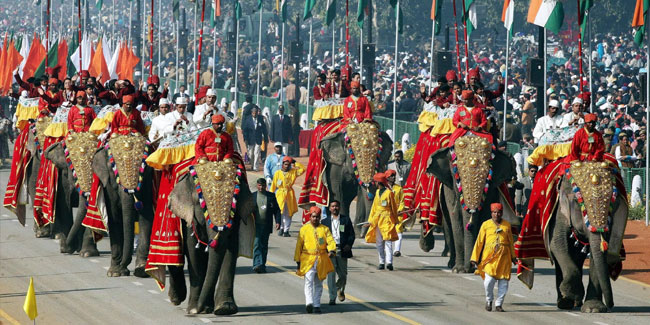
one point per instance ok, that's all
(594, 187)
(472, 158)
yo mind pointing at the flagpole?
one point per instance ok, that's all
(143, 27)
(214, 53)
(79, 36)
(545, 83)
(311, 20)
(195, 26)
(333, 46)
(159, 35)
(466, 41)
(130, 18)
(282, 67)
(178, 36)
(457, 45)
(647, 118)
(580, 45)
(505, 91)
(360, 51)
(433, 33)
(591, 84)
(347, 35)
(396, 68)
(259, 57)
(236, 94)
(47, 33)
(151, 41)
(113, 21)
(198, 64)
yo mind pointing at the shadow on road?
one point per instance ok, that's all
(285, 310)
(53, 292)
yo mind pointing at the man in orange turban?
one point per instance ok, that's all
(469, 118)
(80, 116)
(282, 186)
(127, 119)
(588, 143)
(382, 222)
(213, 144)
(356, 108)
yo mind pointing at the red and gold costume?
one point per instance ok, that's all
(321, 92)
(19, 161)
(80, 118)
(587, 146)
(356, 110)
(213, 146)
(125, 123)
(473, 117)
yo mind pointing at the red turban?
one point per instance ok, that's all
(467, 94)
(590, 117)
(314, 209)
(128, 99)
(53, 81)
(496, 207)
(451, 75)
(380, 178)
(390, 173)
(474, 74)
(218, 118)
(287, 158)
(153, 80)
(85, 74)
(80, 93)
(202, 92)
(586, 98)
(355, 84)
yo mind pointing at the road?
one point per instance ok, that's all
(421, 290)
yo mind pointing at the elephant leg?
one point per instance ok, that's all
(215, 261)
(117, 241)
(197, 264)
(76, 235)
(224, 297)
(63, 223)
(145, 224)
(599, 288)
(177, 289)
(128, 229)
(88, 245)
(449, 238)
(570, 287)
(363, 211)
(457, 230)
(469, 238)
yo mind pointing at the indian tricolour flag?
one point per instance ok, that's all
(546, 13)
(471, 19)
(508, 14)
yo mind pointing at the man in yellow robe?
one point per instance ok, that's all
(493, 252)
(399, 199)
(314, 248)
(282, 186)
(383, 221)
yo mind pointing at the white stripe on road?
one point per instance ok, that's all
(518, 295)
(600, 323)
(5, 215)
(137, 283)
(105, 268)
(153, 292)
(94, 260)
(573, 314)
(469, 278)
(167, 300)
(544, 305)
(205, 320)
(446, 270)
(423, 262)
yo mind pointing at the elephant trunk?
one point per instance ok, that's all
(600, 269)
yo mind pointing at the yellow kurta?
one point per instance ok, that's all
(383, 216)
(314, 243)
(282, 186)
(495, 249)
(399, 199)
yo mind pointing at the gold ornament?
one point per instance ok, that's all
(460, 144)
(594, 179)
(202, 161)
(485, 144)
(218, 176)
(473, 162)
(596, 185)
(80, 152)
(578, 164)
(365, 145)
(217, 179)
(127, 153)
(603, 164)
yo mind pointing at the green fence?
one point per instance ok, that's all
(629, 173)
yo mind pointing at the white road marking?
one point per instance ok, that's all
(518, 295)
(205, 320)
(137, 283)
(5, 215)
(153, 292)
(105, 267)
(94, 260)
(15, 220)
(544, 305)
(167, 300)
(600, 323)
(423, 262)
(446, 270)
(469, 278)
(573, 314)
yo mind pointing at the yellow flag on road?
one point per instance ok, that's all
(30, 301)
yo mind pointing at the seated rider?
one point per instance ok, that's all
(213, 144)
(127, 119)
(588, 143)
(80, 116)
(356, 108)
(321, 90)
(469, 118)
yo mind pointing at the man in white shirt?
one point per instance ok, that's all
(161, 125)
(548, 122)
(273, 162)
(181, 120)
(575, 117)
(203, 113)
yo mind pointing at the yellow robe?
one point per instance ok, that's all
(383, 217)
(495, 250)
(399, 199)
(282, 186)
(314, 243)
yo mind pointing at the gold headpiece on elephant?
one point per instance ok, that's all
(596, 186)
(127, 151)
(40, 126)
(364, 141)
(80, 150)
(473, 156)
(217, 180)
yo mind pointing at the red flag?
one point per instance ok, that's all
(36, 56)
(217, 10)
(3, 63)
(13, 60)
(126, 63)
(98, 65)
(62, 60)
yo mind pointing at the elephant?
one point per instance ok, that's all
(341, 181)
(568, 235)
(78, 238)
(122, 215)
(460, 226)
(209, 267)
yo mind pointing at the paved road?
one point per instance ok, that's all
(72, 290)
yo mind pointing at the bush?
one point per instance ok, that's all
(636, 213)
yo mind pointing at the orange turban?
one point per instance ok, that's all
(496, 207)
(467, 94)
(287, 158)
(451, 75)
(380, 178)
(590, 117)
(314, 209)
(128, 99)
(53, 81)
(390, 173)
(218, 118)
(80, 93)
(355, 84)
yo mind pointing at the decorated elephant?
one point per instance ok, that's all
(352, 160)
(73, 158)
(127, 189)
(589, 222)
(218, 226)
(470, 173)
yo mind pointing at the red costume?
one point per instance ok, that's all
(473, 118)
(356, 110)
(321, 92)
(80, 119)
(341, 89)
(125, 123)
(32, 91)
(213, 146)
(587, 146)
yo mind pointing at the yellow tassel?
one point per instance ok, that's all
(603, 243)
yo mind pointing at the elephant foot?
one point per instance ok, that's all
(565, 303)
(89, 252)
(226, 308)
(59, 236)
(113, 271)
(139, 272)
(594, 306)
(42, 232)
(177, 296)
(64, 247)
(193, 311)
(462, 269)
(124, 271)
(445, 253)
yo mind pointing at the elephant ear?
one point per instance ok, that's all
(245, 210)
(100, 166)
(504, 167)
(55, 154)
(181, 201)
(386, 148)
(333, 147)
(439, 166)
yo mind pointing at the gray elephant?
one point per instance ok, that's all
(461, 224)
(209, 267)
(340, 178)
(571, 237)
(122, 215)
(78, 238)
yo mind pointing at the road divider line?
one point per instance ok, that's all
(423, 262)
(105, 268)
(5, 215)
(10, 319)
(572, 314)
(153, 292)
(600, 323)
(518, 295)
(469, 278)
(635, 281)
(355, 299)
(205, 320)
(94, 260)
(137, 283)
